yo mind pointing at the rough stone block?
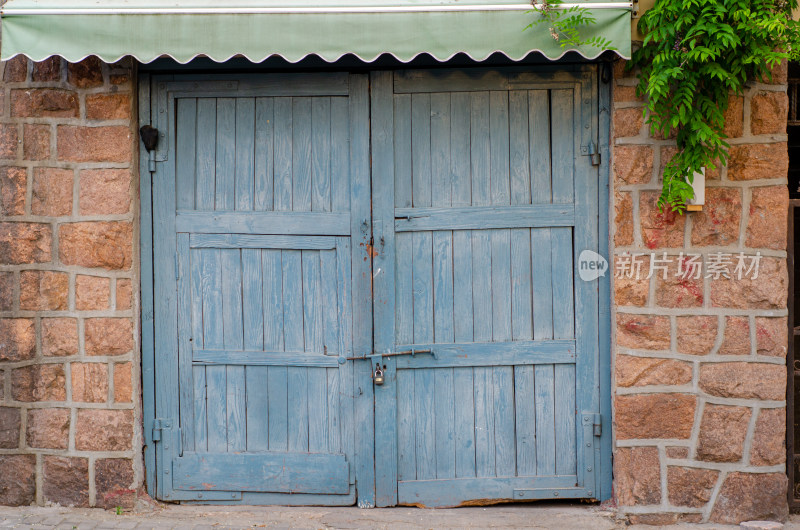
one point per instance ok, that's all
(751, 496)
(628, 122)
(643, 332)
(9, 140)
(768, 111)
(772, 336)
(124, 294)
(25, 243)
(94, 144)
(48, 428)
(744, 380)
(59, 337)
(16, 69)
(18, 480)
(660, 228)
(760, 525)
(6, 291)
(47, 70)
(108, 336)
(104, 430)
(646, 416)
(66, 481)
(633, 164)
(696, 334)
(690, 487)
(40, 382)
(677, 452)
(734, 116)
(10, 422)
(107, 245)
(768, 447)
(718, 223)
(113, 479)
(108, 106)
(17, 339)
(13, 186)
(86, 74)
(768, 291)
(92, 292)
(638, 476)
(643, 371)
(623, 219)
(123, 383)
(736, 339)
(680, 287)
(105, 191)
(52, 191)
(44, 103)
(36, 142)
(43, 290)
(766, 225)
(89, 382)
(722, 433)
(758, 161)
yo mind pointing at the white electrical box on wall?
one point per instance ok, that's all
(699, 188)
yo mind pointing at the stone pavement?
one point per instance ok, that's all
(534, 515)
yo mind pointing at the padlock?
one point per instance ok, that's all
(377, 377)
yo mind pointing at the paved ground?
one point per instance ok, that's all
(540, 515)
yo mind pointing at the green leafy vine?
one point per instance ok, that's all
(695, 55)
(566, 24)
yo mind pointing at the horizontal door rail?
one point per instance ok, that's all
(483, 217)
(284, 223)
(263, 358)
(490, 354)
(451, 492)
(258, 241)
(264, 472)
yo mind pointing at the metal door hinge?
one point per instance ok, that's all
(598, 424)
(159, 425)
(592, 152)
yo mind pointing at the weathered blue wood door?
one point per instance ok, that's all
(482, 204)
(261, 209)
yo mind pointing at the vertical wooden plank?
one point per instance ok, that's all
(313, 331)
(340, 155)
(329, 300)
(545, 419)
(186, 149)
(521, 294)
(186, 390)
(484, 423)
(443, 287)
(464, 410)
(423, 286)
(200, 409)
(257, 394)
(297, 385)
(252, 300)
(481, 286)
(226, 154)
(345, 371)
(504, 433)
(198, 372)
(245, 152)
(501, 285)
(539, 138)
(282, 168)
(404, 289)
(406, 426)
(272, 286)
(542, 284)
(425, 428)
(519, 146)
(421, 149)
(460, 148)
(462, 277)
(317, 410)
(334, 434)
(217, 409)
(321, 154)
(441, 179)
(214, 339)
(563, 131)
(480, 153)
(498, 133)
(525, 408)
(278, 408)
(301, 154)
(263, 155)
(563, 301)
(233, 338)
(402, 146)
(445, 423)
(566, 449)
(205, 142)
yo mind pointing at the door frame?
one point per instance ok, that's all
(366, 474)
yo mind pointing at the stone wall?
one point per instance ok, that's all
(700, 375)
(69, 399)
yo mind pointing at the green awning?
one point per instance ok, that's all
(184, 29)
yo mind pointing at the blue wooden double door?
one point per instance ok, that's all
(312, 231)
